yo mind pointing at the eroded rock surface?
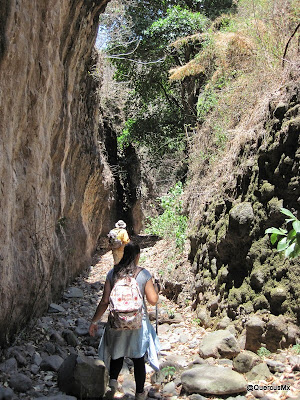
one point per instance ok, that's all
(56, 187)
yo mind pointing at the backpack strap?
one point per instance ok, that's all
(138, 270)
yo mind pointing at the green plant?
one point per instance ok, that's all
(197, 321)
(171, 314)
(288, 241)
(263, 352)
(142, 259)
(168, 372)
(171, 224)
(296, 348)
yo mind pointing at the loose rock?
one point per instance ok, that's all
(20, 383)
(208, 379)
(219, 344)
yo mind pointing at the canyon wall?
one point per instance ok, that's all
(57, 191)
(237, 271)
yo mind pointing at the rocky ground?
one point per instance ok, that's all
(29, 368)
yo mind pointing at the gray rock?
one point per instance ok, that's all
(85, 310)
(196, 396)
(203, 316)
(278, 295)
(82, 377)
(6, 394)
(254, 330)
(37, 359)
(257, 279)
(225, 362)
(241, 217)
(276, 331)
(275, 366)
(293, 334)
(70, 337)
(18, 354)
(82, 328)
(9, 365)
(219, 344)
(55, 308)
(30, 349)
(51, 363)
(261, 303)
(295, 362)
(154, 394)
(267, 191)
(209, 379)
(184, 338)
(259, 372)
(223, 324)
(245, 361)
(164, 346)
(57, 338)
(169, 389)
(34, 369)
(128, 386)
(50, 347)
(73, 292)
(178, 360)
(20, 383)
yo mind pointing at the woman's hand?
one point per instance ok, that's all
(93, 329)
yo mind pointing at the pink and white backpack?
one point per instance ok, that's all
(126, 304)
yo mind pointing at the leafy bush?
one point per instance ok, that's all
(288, 241)
(171, 224)
(263, 352)
(296, 349)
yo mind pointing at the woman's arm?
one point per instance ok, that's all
(151, 295)
(100, 310)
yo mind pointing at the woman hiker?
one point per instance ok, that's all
(116, 344)
(122, 236)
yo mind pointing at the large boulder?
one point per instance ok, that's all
(219, 344)
(82, 377)
(210, 379)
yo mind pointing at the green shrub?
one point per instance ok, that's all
(288, 241)
(296, 348)
(263, 352)
(171, 224)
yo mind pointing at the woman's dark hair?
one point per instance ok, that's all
(127, 265)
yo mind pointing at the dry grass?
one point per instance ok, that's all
(226, 50)
(251, 55)
(193, 68)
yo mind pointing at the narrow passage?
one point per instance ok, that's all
(29, 368)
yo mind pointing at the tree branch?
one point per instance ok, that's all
(287, 45)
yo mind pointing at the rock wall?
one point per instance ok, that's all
(56, 187)
(237, 271)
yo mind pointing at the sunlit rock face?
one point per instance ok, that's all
(56, 187)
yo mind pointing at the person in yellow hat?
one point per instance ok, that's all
(118, 238)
